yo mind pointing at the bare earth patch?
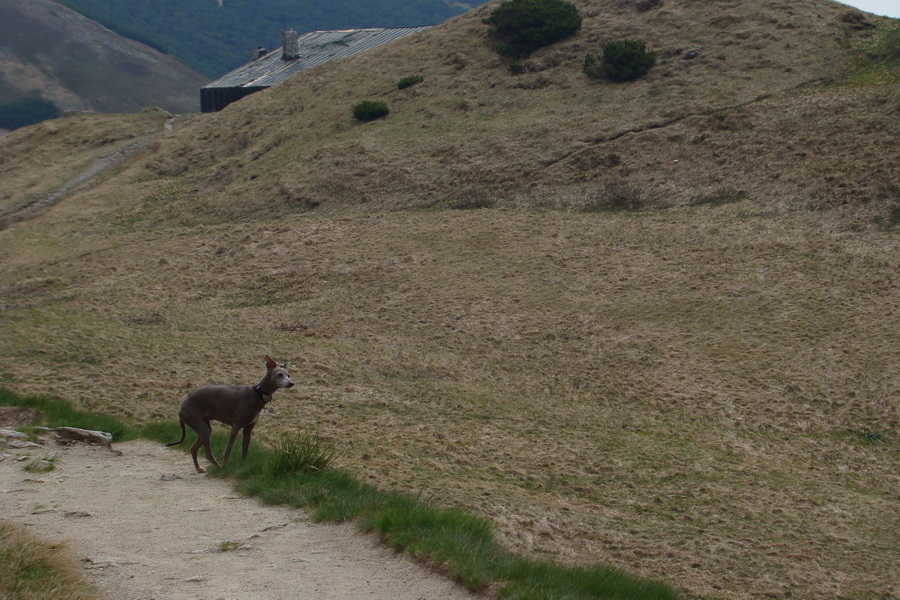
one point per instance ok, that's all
(144, 525)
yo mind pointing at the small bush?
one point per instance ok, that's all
(622, 61)
(522, 26)
(369, 110)
(409, 81)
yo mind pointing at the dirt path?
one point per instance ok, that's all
(98, 166)
(145, 526)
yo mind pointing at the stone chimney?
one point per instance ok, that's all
(258, 53)
(289, 49)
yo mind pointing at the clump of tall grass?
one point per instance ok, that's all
(300, 453)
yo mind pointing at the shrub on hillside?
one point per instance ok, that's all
(625, 60)
(522, 26)
(369, 110)
(409, 81)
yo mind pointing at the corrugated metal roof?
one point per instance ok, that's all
(316, 47)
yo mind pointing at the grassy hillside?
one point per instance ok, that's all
(216, 37)
(764, 90)
(701, 388)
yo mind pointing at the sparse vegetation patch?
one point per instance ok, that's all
(228, 545)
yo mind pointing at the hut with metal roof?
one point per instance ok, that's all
(296, 54)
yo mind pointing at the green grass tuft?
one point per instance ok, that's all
(228, 545)
(295, 453)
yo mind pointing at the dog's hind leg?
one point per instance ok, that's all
(203, 434)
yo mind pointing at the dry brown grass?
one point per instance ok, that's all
(41, 159)
(703, 395)
(703, 391)
(35, 570)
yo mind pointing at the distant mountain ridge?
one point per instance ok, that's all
(216, 36)
(50, 51)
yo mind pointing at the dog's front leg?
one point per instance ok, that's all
(245, 439)
(231, 437)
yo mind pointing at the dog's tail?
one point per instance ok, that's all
(182, 435)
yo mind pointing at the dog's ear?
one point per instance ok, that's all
(270, 364)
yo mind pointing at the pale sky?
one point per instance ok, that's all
(888, 8)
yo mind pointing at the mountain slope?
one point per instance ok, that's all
(472, 129)
(663, 337)
(216, 37)
(49, 50)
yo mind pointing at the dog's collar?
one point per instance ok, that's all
(266, 398)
